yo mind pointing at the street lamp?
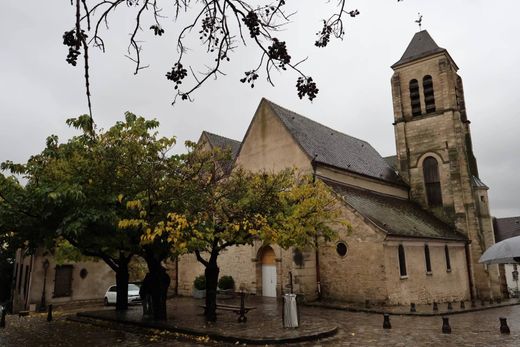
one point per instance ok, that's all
(45, 268)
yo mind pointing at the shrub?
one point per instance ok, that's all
(226, 282)
(200, 282)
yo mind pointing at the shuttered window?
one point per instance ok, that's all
(429, 97)
(432, 181)
(415, 98)
(63, 281)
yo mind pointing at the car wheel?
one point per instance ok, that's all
(105, 301)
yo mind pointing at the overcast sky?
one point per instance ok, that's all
(39, 90)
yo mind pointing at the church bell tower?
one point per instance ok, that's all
(434, 150)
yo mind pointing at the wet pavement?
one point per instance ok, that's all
(264, 323)
(355, 329)
(438, 309)
(35, 331)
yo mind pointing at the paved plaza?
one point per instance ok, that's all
(354, 329)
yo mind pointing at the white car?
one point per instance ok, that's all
(133, 295)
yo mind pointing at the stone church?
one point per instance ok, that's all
(419, 220)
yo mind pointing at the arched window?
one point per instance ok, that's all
(427, 258)
(448, 262)
(429, 97)
(432, 181)
(402, 261)
(415, 98)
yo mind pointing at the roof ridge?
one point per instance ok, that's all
(224, 137)
(504, 218)
(316, 122)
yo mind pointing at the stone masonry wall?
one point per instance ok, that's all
(359, 275)
(419, 286)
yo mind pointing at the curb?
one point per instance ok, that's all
(210, 335)
(417, 314)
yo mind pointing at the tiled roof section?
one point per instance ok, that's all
(506, 228)
(334, 148)
(476, 182)
(392, 161)
(422, 45)
(224, 143)
(396, 217)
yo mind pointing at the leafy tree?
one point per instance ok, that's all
(220, 26)
(152, 178)
(220, 210)
(80, 191)
(68, 197)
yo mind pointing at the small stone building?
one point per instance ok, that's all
(419, 221)
(38, 280)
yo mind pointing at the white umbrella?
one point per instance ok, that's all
(503, 252)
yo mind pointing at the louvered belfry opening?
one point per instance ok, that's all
(432, 181)
(415, 98)
(429, 97)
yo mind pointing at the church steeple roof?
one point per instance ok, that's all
(422, 45)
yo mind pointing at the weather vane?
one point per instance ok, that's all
(419, 21)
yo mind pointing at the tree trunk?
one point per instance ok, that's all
(122, 285)
(159, 283)
(211, 273)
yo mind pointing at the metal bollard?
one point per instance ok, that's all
(2, 318)
(473, 303)
(462, 305)
(499, 300)
(386, 321)
(450, 307)
(446, 329)
(491, 302)
(412, 307)
(482, 303)
(435, 307)
(504, 329)
(49, 313)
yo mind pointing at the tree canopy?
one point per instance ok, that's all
(220, 209)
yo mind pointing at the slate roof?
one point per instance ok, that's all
(224, 143)
(476, 182)
(334, 148)
(396, 217)
(422, 45)
(506, 228)
(392, 161)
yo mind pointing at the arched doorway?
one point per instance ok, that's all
(268, 260)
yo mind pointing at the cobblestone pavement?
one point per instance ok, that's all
(264, 322)
(355, 329)
(468, 329)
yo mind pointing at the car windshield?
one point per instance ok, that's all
(132, 287)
